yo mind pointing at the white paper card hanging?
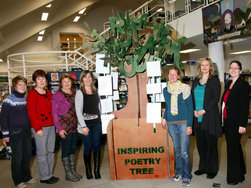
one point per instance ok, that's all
(105, 119)
(115, 77)
(153, 114)
(100, 65)
(106, 105)
(160, 97)
(105, 85)
(153, 68)
(115, 95)
(153, 88)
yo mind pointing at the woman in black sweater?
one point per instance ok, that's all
(207, 124)
(235, 107)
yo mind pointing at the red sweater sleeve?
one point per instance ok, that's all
(32, 110)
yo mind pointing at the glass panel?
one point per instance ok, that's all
(194, 4)
(180, 8)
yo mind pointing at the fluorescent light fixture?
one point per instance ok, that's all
(189, 51)
(48, 6)
(82, 11)
(39, 38)
(76, 19)
(160, 9)
(1, 60)
(44, 16)
(241, 52)
(41, 32)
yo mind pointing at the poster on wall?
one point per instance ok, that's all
(211, 16)
(227, 19)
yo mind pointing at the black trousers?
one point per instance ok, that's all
(20, 143)
(235, 161)
(207, 146)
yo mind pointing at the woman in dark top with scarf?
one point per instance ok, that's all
(65, 121)
(235, 106)
(88, 111)
(206, 94)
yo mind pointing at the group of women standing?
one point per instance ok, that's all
(42, 112)
(71, 112)
(202, 105)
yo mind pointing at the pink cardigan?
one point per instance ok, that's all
(60, 106)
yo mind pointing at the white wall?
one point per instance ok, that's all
(186, 24)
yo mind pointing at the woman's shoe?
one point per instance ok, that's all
(234, 183)
(198, 172)
(211, 176)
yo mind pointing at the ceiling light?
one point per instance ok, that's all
(241, 52)
(44, 16)
(1, 60)
(41, 32)
(189, 50)
(82, 11)
(76, 19)
(159, 10)
(39, 38)
(48, 6)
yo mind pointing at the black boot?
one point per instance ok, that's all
(96, 165)
(68, 173)
(87, 159)
(73, 166)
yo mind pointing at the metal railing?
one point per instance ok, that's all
(26, 63)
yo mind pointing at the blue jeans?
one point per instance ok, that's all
(69, 144)
(181, 143)
(92, 140)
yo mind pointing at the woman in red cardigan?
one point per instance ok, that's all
(40, 114)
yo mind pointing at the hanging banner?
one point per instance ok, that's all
(227, 19)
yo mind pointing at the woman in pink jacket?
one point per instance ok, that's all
(65, 120)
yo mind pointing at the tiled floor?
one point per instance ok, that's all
(105, 182)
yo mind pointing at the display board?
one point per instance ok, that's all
(136, 152)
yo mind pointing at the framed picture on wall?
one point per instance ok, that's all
(54, 76)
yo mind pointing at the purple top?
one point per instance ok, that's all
(60, 106)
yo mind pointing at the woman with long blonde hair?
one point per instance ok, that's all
(206, 94)
(88, 110)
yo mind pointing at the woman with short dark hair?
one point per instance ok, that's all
(43, 129)
(235, 107)
(65, 120)
(16, 130)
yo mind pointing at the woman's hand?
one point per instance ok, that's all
(195, 113)
(85, 131)
(40, 133)
(199, 113)
(189, 131)
(163, 122)
(62, 134)
(242, 130)
(7, 139)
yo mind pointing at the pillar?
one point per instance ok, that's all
(216, 53)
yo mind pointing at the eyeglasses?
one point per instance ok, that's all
(234, 68)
